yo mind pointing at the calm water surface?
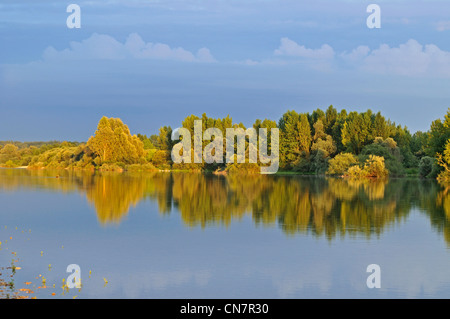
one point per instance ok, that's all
(184, 235)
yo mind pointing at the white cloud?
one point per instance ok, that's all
(96, 47)
(205, 55)
(407, 59)
(291, 48)
(105, 47)
(357, 55)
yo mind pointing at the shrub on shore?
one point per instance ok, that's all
(340, 164)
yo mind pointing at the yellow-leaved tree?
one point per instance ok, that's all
(113, 143)
(444, 161)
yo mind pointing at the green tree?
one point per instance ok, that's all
(336, 130)
(418, 143)
(148, 144)
(426, 166)
(304, 134)
(388, 149)
(438, 135)
(356, 131)
(380, 126)
(164, 139)
(322, 141)
(289, 148)
(331, 116)
(316, 115)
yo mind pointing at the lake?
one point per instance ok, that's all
(189, 235)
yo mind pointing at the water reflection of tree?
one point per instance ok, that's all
(63, 181)
(205, 200)
(113, 195)
(322, 207)
(439, 210)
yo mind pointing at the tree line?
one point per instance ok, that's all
(332, 142)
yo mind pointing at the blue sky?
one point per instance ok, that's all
(152, 63)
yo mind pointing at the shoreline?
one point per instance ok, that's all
(219, 173)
